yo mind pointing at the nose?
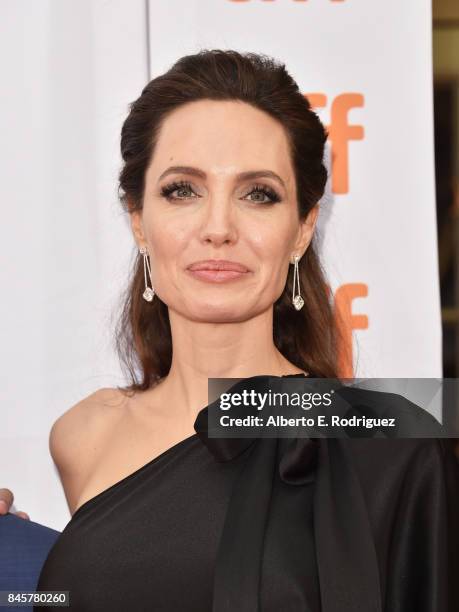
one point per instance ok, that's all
(218, 224)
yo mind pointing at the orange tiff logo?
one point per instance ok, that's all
(292, 0)
(339, 134)
(346, 321)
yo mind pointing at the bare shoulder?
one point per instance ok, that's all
(77, 436)
(86, 418)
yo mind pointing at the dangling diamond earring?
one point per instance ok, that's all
(297, 300)
(149, 293)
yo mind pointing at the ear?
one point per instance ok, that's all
(137, 227)
(305, 232)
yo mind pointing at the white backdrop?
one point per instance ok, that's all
(69, 71)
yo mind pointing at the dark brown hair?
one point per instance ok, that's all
(307, 338)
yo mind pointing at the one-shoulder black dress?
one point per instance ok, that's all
(268, 525)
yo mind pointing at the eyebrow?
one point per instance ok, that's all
(249, 174)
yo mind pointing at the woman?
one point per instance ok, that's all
(223, 170)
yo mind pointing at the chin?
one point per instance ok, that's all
(220, 312)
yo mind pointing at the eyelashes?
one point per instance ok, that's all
(168, 189)
(184, 186)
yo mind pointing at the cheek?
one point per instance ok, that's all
(270, 252)
(269, 241)
(168, 240)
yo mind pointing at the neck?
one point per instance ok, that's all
(203, 350)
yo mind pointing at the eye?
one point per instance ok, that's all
(264, 191)
(183, 188)
(180, 186)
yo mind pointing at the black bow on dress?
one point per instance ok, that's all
(345, 550)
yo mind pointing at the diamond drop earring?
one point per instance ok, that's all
(149, 293)
(297, 300)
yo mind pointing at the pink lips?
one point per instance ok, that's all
(217, 270)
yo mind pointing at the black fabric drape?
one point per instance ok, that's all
(385, 518)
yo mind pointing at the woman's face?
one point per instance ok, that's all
(210, 210)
